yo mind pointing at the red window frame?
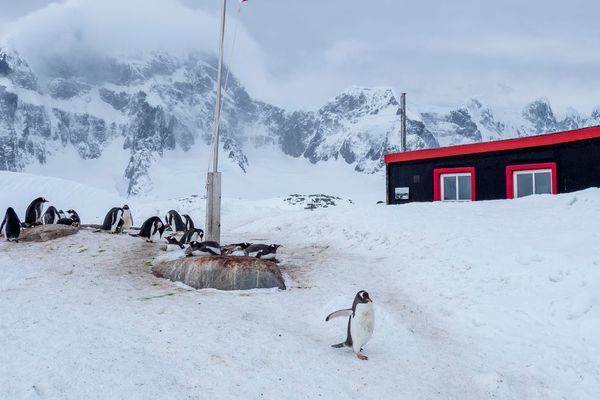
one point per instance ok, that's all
(510, 169)
(438, 172)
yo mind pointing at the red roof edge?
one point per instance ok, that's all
(497, 145)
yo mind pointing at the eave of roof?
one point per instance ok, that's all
(498, 145)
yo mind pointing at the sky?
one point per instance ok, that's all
(301, 53)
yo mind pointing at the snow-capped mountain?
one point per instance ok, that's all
(156, 103)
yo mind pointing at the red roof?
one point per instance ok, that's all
(498, 145)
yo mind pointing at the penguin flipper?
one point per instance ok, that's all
(339, 313)
(339, 345)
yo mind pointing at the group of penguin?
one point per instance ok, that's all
(12, 226)
(361, 317)
(181, 232)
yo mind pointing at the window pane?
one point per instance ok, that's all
(524, 184)
(542, 183)
(464, 187)
(449, 183)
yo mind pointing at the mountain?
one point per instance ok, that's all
(158, 102)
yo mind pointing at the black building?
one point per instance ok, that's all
(504, 169)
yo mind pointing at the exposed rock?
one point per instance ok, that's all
(222, 272)
(313, 201)
(44, 233)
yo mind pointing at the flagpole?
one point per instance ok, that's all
(213, 179)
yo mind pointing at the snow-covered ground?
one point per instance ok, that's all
(497, 299)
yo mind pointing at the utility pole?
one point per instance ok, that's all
(213, 179)
(403, 122)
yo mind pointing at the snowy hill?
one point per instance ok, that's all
(495, 299)
(137, 110)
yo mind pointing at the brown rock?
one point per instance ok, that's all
(43, 233)
(222, 272)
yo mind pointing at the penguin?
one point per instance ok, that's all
(262, 251)
(127, 219)
(65, 221)
(51, 215)
(151, 229)
(192, 234)
(76, 221)
(236, 249)
(33, 215)
(173, 244)
(113, 221)
(174, 220)
(11, 225)
(361, 323)
(61, 214)
(208, 248)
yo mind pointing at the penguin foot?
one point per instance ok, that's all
(361, 356)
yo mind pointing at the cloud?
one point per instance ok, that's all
(91, 28)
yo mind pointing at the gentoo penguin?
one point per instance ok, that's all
(235, 249)
(33, 215)
(262, 251)
(174, 220)
(361, 323)
(61, 214)
(127, 218)
(11, 226)
(51, 215)
(152, 229)
(74, 217)
(113, 221)
(208, 248)
(192, 234)
(173, 244)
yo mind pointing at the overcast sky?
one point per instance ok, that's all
(302, 52)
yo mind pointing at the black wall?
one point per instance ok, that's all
(577, 167)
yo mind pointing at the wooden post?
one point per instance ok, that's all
(213, 179)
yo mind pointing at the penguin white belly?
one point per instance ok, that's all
(155, 236)
(239, 253)
(270, 256)
(362, 325)
(173, 247)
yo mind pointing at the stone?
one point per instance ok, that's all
(222, 272)
(44, 233)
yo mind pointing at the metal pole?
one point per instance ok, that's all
(213, 179)
(403, 122)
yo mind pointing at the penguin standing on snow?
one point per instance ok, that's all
(11, 226)
(51, 215)
(33, 215)
(262, 251)
(208, 248)
(127, 218)
(361, 323)
(173, 244)
(192, 234)
(113, 221)
(235, 249)
(152, 229)
(174, 220)
(74, 217)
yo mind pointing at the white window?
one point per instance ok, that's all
(456, 187)
(538, 181)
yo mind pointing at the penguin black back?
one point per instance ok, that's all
(11, 226)
(33, 215)
(174, 220)
(51, 215)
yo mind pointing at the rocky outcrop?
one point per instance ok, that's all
(222, 272)
(44, 233)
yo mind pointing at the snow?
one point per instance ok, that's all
(495, 299)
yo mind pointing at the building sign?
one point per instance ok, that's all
(401, 193)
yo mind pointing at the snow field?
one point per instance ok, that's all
(473, 300)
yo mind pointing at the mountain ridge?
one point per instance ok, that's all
(158, 103)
